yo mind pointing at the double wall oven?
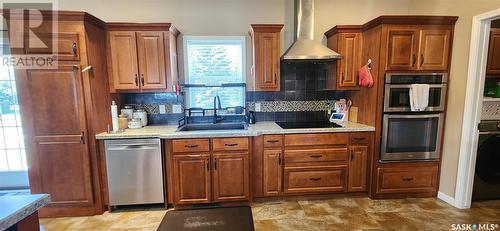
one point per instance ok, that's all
(409, 135)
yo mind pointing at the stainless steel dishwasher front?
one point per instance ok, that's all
(134, 170)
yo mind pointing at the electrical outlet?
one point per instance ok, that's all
(162, 108)
(176, 108)
(257, 107)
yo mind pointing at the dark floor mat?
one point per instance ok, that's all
(217, 219)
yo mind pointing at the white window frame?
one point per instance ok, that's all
(232, 38)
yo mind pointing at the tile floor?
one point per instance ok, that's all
(320, 214)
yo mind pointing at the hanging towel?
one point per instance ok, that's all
(365, 77)
(419, 97)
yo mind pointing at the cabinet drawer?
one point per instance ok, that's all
(302, 180)
(359, 138)
(273, 141)
(190, 145)
(316, 155)
(316, 139)
(407, 179)
(229, 144)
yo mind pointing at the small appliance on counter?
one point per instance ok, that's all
(341, 113)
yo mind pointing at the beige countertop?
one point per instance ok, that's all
(260, 128)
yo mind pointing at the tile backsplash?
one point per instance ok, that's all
(302, 97)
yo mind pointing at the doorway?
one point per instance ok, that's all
(476, 78)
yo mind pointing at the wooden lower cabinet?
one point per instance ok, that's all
(272, 172)
(358, 163)
(231, 177)
(192, 183)
(407, 179)
(314, 179)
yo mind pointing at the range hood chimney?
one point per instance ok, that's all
(304, 47)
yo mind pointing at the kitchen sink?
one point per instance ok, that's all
(217, 126)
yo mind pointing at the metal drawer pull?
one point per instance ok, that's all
(191, 145)
(315, 178)
(230, 145)
(407, 178)
(316, 156)
(279, 158)
(359, 138)
(273, 141)
(75, 54)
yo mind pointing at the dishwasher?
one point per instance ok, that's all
(134, 170)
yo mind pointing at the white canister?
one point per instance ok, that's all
(142, 115)
(135, 123)
(128, 111)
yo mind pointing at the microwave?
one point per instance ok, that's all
(397, 90)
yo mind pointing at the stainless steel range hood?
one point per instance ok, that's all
(305, 47)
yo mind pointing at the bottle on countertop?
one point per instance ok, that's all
(114, 117)
(251, 117)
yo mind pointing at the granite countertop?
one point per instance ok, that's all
(260, 128)
(15, 208)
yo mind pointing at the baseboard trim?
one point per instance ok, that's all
(448, 199)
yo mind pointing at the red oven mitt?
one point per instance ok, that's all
(365, 77)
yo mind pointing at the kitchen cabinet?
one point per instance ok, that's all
(358, 163)
(231, 177)
(418, 48)
(266, 41)
(407, 178)
(493, 66)
(142, 57)
(209, 170)
(62, 110)
(192, 178)
(272, 167)
(346, 40)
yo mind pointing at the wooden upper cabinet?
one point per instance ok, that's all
(402, 48)
(142, 56)
(151, 56)
(416, 48)
(434, 49)
(191, 176)
(266, 55)
(66, 45)
(124, 66)
(231, 181)
(493, 66)
(347, 41)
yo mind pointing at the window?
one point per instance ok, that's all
(212, 61)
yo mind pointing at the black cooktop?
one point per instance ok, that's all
(310, 124)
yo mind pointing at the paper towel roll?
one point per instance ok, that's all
(114, 116)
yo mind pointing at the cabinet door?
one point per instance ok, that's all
(272, 172)
(493, 66)
(151, 56)
(267, 51)
(123, 56)
(402, 48)
(434, 49)
(191, 179)
(55, 134)
(350, 48)
(231, 177)
(66, 45)
(357, 168)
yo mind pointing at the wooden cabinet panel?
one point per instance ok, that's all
(407, 179)
(151, 57)
(266, 52)
(304, 180)
(316, 155)
(66, 45)
(358, 164)
(402, 46)
(123, 56)
(230, 144)
(191, 176)
(57, 152)
(316, 139)
(359, 137)
(231, 181)
(272, 172)
(493, 66)
(434, 49)
(273, 141)
(347, 67)
(190, 145)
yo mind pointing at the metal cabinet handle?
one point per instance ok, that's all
(342, 77)
(82, 138)
(279, 158)
(215, 163)
(352, 155)
(75, 54)
(421, 60)
(208, 164)
(136, 80)
(273, 141)
(359, 138)
(407, 178)
(316, 156)
(275, 78)
(315, 178)
(142, 79)
(76, 67)
(230, 145)
(190, 145)
(414, 60)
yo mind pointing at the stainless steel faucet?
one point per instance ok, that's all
(217, 105)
